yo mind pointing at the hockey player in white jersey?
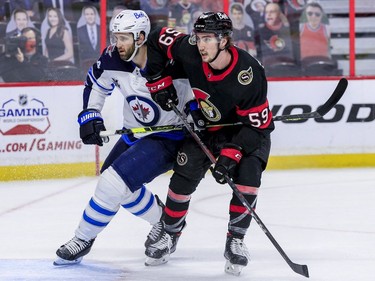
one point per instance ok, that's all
(135, 159)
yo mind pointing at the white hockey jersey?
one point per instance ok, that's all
(139, 110)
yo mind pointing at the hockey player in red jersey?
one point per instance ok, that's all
(229, 86)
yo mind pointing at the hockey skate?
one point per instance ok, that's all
(174, 238)
(156, 230)
(73, 251)
(236, 254)
(158, 253)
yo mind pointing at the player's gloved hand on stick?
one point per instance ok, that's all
(162, 91)
(91, 123)
(199, 121)
(230, 156)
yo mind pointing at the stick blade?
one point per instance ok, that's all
(300, 269)
(335, 97)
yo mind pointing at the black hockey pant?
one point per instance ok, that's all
(191, 166)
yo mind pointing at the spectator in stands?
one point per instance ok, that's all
(157, 10)
(30, 6)
(65, 6)
(182, 13)
(210, 5)
(18, 21)
(314, 33)
(293, 10)
(57, 39)
(23, 60)
(88, 34)
(255, 9)
(243, 34)
(274, 37)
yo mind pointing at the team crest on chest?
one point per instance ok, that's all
(208, 109)
(144, 110)
(245, 77)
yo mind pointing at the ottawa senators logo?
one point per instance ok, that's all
(245, 77)
(275, 43)
(182, 158)
(208, 109)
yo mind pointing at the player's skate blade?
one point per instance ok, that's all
(154, 262)
(234, 269)
(59, 261)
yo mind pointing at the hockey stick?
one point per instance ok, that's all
(155, 129)
(320, 112)
(298, 268)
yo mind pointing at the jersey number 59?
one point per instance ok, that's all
(259, 119)
(169, 36)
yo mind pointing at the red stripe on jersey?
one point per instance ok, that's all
(178, 197)
(238, 209)
(245, 189)
(174, 214)
(213, 129)
(208, 72)
(167, 37)
(259, 116)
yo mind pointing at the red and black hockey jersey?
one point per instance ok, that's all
(237, 93)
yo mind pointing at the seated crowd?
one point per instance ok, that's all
(66, 40)
(290, 38)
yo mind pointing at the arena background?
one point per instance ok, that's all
(39, 132)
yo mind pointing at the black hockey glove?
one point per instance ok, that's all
(199, 121)
(162, 91)
(91, 123)
(230, 156)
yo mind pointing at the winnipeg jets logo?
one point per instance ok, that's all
(141, 111)
(144, 110)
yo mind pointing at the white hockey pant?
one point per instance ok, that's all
(111, 192)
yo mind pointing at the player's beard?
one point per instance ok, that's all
(127, 54)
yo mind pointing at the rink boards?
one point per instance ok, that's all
(40, 135)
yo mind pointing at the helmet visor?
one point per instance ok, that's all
(123, 38)
(204, 37)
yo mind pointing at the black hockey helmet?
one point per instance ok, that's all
(210, 22)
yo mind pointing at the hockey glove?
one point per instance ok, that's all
(192, 109)
(162, 91)
(230, 156)
(91, 123)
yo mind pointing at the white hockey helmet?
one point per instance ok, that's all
(132, 21)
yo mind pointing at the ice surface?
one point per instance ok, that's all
(322, 218)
